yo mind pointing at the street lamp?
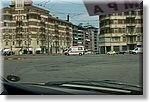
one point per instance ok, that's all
(29, 36)
(49, 43)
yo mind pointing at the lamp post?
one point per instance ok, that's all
(29, 36)
(47, 34)
(49, 43)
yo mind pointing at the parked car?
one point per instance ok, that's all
(88, 52)
(8, 53)
(111, 53)
(97, 53)
(137, 50)
(121, 52)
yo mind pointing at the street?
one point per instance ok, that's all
(125, 68)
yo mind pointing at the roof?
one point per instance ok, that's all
(43, 10)
(5, 8)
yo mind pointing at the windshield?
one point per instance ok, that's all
(39, 35)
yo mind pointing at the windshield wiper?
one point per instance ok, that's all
(106, 86)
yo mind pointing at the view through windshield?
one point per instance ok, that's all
(47, 41)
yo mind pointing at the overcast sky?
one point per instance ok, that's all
(60, 8)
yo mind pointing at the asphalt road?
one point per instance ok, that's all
(124, 68)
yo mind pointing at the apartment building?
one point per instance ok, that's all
(121, 31)
(28, 28)
(91, 38)
(86, 36)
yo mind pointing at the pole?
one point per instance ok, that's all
(48, 44)
(28, 42)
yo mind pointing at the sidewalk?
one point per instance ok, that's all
(38, 55)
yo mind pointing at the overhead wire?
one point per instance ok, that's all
(70, 2)
(72, 15)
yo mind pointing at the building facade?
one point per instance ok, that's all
(28, 28)
(121, 31)
(91, 38)
(86, 36)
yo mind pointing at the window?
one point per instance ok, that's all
(115, 30)
(25, 42)
(141, 38)
(37, 42)
(119, 14)
(130, 30)
(107, 30)
(138, 38)
(124, 48)
(29, 42)
(5, 24)
(123, 21)
(6, 17)
(138, 13)
(115, 21)
(130, 13)
(107, 22)
(124, 39)
(123, 30)
(6, 43)
(116, 48)
(115, 39)
(136, 49)
(137, 21)
(79, 48)
(138, 30)
(134, 39)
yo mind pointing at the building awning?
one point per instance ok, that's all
(16, 49)
(38, 49)
(30, 49)
(6, 50)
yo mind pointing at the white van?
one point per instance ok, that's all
(137, 50)
(75, 50)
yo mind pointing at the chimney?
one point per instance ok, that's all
(68, 17)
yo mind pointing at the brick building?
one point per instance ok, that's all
(121, 31)
(26, 27)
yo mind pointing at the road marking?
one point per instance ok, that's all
(18, 58)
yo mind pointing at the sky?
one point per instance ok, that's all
(61, 8)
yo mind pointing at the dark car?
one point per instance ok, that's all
(98, 53)
(121, 52)
(8, 53)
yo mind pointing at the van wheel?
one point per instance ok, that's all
(80, 54)
(68, 54)
(134, 53)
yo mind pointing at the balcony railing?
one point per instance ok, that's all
(131, 42)
(131, 24)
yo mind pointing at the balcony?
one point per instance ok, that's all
(18, 46)
(131, 16)
(67, 33)
(75, 38)
(131, 42)
(19, 36)
(87, 39)
(56, 36)
(67, 28)
(34, 12)
(131, 24)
